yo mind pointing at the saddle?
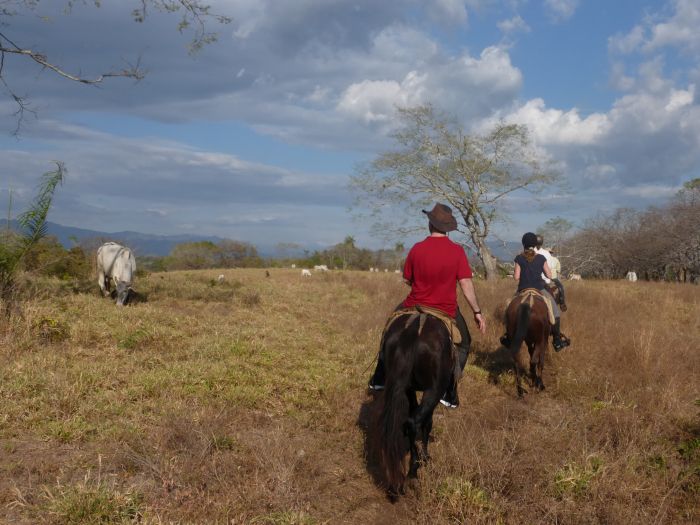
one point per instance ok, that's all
(529, 295)
(421, 313)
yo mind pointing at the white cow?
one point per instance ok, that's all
(631, 277)
(321, 268)
(574, 277)
(115, 264)
(305, 273)
(221, 278)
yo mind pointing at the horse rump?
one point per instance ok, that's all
(416, 359)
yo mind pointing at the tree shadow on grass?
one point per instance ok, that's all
(495, 362)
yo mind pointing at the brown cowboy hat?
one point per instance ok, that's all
(441, 218)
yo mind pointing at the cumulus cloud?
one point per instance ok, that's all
(452, 11)
(679, 30)
(514, 25)
(554, 126)
(560, 10)
(489, 80)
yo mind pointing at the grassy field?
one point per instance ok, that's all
(245, 402)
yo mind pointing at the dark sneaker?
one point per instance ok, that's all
(561, 344)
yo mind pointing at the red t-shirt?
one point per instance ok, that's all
(433, 267)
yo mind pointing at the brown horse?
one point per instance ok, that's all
(528, 321)
(419, 357)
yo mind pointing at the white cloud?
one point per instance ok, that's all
(679, 30)
(619, 79)
(561, 9)
(452, 11)
(375, 100)
(513, 25)
(465, 85)
(628, 43)
(554, 126)
(650, 191)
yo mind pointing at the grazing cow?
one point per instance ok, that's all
(321, 268)
(305, 273)
(397, 271)
(221, 278)
(115, 264)
(631, 277)
(574, 277)
(294, 266)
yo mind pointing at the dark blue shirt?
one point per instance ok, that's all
(531, 272)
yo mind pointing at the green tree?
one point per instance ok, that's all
(15, 247)
(193, 256)
(555, 231)
(435, 159)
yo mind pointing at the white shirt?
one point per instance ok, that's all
(547, 256)
(555, 267)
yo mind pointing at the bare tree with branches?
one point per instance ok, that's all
(194, 16)
(437, 160)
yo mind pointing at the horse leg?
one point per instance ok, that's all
(410, 430)
(427, 429)
(425, 410)
(532, 350)
(540, 352)
(518, 376)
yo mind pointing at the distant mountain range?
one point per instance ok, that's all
(146, 244)
(141, 243)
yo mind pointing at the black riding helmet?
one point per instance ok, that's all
(529, 240)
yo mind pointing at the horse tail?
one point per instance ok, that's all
(521, 326)
(396, 412)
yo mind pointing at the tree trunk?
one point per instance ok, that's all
(489, 261)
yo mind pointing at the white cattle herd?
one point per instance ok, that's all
(116, 267)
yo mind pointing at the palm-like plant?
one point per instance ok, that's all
(15, 247)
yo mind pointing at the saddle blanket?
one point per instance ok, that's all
(530, 295)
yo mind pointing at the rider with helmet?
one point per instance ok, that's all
(530, 267)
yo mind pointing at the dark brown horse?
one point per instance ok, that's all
(419, 357)
(528, 321)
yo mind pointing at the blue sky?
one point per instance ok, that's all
(254, 138)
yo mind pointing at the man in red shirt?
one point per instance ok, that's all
(433, 268)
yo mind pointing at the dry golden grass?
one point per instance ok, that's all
(245, 402)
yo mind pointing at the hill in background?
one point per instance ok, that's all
(146, 244)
